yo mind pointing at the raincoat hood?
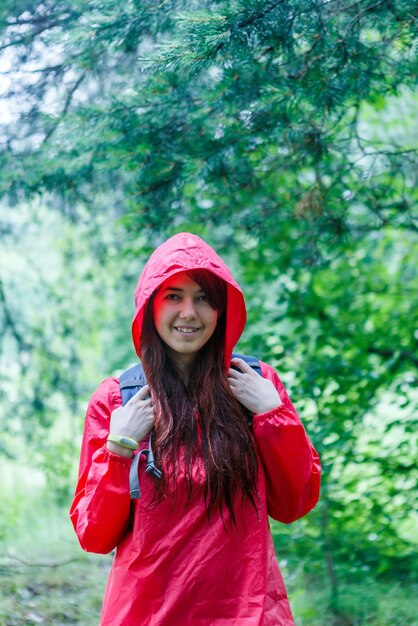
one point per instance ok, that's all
(182, 253)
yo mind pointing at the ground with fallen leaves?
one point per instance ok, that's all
(52, 594)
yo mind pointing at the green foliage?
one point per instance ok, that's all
(228, 105)
(284, 133)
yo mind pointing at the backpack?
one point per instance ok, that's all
(130, 382)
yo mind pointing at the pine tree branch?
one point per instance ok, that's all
(40, 23)
(50, 69)
(9, 321)
(361, 14)
(28, 37)
(36, 19)
(259, 16)
(67, 104)
(37, 563)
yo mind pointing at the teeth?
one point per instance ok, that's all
(186, 330)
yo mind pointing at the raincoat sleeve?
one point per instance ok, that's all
(100, 511)
(291, 464)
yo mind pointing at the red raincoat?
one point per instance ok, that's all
(173, 566)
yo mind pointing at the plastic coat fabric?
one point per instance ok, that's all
(174, 566)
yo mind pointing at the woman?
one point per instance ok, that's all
(195, 549)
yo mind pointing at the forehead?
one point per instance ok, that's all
(180, 281)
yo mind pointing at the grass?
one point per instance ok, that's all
(46, 579)
(366, 604)
(68, 594)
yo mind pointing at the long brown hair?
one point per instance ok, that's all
(223, 438)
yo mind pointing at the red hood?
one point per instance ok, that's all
(185, 252)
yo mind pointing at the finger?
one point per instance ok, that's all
(241, 364)
(142, 394)
(234, 391)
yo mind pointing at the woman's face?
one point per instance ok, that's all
(183, 317)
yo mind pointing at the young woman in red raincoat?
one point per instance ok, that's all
(195, 549)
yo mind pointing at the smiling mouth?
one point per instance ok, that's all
(184, 330)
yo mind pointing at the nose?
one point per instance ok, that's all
(187, 310)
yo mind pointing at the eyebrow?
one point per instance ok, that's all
(180, 290)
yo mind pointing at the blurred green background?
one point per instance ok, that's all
(283, 132)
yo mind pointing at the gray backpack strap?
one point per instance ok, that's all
(130, 382)
(252, 361)
(150, 468)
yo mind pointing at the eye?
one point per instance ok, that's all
(202, 298)
(172, 296)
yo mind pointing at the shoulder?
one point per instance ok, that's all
(267, 371)
(107, 395)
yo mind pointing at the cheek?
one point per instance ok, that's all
(212, 320)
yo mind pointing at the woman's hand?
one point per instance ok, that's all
(134, 420)
(256, 393)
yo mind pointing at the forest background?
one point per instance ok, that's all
(283, 132)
